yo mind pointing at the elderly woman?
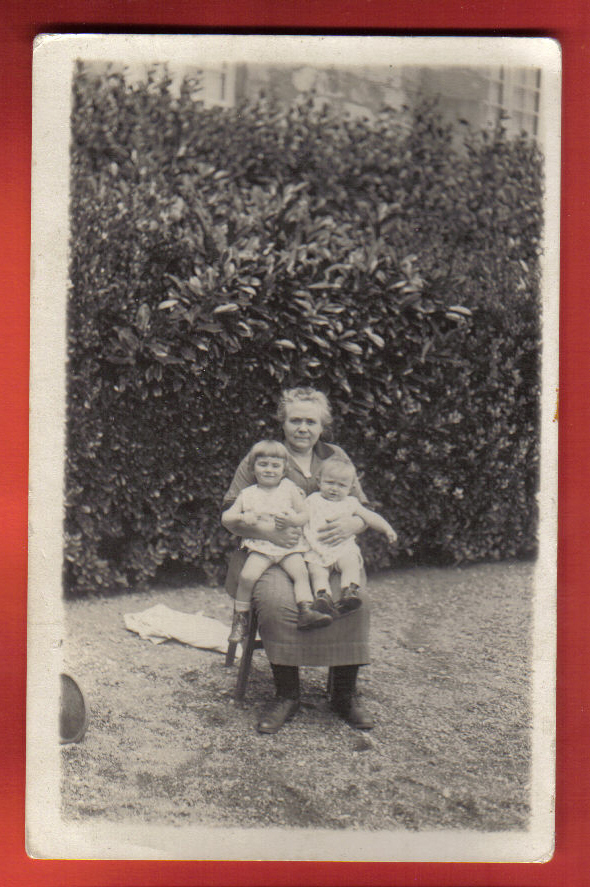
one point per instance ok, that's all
(343, 645)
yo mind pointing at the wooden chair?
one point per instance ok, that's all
(236, 562)
(248, 648)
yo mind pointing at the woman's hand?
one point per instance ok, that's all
(338, 529)
(282, 521)
(286, 538)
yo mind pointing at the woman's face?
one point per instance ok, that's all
(302, 426)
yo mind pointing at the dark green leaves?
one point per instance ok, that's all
(218, 256)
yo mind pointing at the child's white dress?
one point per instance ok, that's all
(320, 510)
(267, 505)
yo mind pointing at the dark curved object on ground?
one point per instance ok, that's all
(73, 711)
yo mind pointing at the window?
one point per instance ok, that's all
(516, 93)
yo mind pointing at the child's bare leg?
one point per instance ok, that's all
(256, 564)
(350, 568)
(295, 567)
(319, 576)
(309, 616)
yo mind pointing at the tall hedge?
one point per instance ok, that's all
(219, 255)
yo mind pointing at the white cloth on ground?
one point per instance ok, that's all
(161, 623)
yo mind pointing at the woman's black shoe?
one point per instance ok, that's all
(279, 712)
(354, 713)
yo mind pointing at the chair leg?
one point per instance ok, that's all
(246, 660)
(230, 655)
(330, 684)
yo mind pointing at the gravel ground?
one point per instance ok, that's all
(449, 686)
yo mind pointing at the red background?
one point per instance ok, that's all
(568, 21)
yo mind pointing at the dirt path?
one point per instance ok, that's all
(449, 685)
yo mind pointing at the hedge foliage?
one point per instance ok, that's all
(219, 255)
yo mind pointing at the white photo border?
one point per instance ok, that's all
(48, 835)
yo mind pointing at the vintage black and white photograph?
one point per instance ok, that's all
(293, 448)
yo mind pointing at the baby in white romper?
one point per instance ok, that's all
(334, 500)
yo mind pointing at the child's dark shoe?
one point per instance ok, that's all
(325, 604)
(349, 600)
(239, 628)
(310, 617)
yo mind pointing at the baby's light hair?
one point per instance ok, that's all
(292, 395)
(272, 449)
(340, 464)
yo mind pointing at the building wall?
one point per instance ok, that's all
(476, 95)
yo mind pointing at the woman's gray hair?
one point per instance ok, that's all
(292, 395)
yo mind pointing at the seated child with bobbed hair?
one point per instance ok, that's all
(334, 500)
(276, 500)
